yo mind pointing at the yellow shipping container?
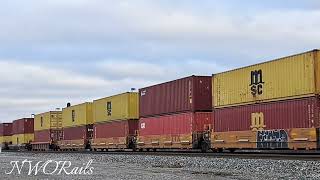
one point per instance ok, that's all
(48, 120)
(290, 77)
(77, 115)
(118, 107)
(22, 138)
(6, 139)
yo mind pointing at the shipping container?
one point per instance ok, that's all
(182, 95)
(48, 120)
(77, 137)
(5, 129)
(47, 136)
(18, 139)
(286, 114)
(115, 134)
(119, 107)
(173, 131)
(23, 126)
(77, 115)
(5, 139)
(285, 78)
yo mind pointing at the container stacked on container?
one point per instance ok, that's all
(47, 130)
(115, 121)
(22, 132)
(5, 135)
(269, 105)
(175, 114)
(77, 122)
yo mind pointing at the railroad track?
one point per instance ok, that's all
(279, 155)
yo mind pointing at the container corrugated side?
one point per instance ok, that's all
(287, 114)
(191, 93)
(47, 135)
(118, 107)
(23, 126)
(112, 129)
(285, 78)
(175, 124)
(77, 115)
(5, 129)
(22, 138)
(48, 120)
(77, 132)
(5, 139)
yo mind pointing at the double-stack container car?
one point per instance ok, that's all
(5, 135)
(175, 114)
(22, 133)
(115, 122)
(272, 105)
(77, 126)
(47, 130)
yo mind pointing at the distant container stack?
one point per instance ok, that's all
(22, 132)
(175, 114)
(118, 114)
(5, 135)
(269, 105)
(47, 130)
(77, 129)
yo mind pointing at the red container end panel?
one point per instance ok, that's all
(175, 124)
(187, 94)
(78, 132)
(23, 126)
(298, 113)
(115, 129)
(6, 129)
(47, 135)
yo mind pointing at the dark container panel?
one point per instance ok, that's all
(296, 113)
(5, 129)
(192, 93)
(77, 132)
(47, 135)
(175, 124)
(112, 129)
(23, 126)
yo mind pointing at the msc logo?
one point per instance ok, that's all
(257, 121)
(256, 82)
(109, 108)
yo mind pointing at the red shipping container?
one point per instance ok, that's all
(296, 113)
(175, 124)
(5, 129)
(23, 126)
(183, 95)
(112, 129)
(78, 132)
(47, 135)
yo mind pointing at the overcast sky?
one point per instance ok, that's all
(58, 51)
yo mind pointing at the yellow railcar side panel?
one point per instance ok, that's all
(286, 77)
(22, 138)
(50, 120)
(118, 107)
(77, 115)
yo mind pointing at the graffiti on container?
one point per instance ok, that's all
(109, 107)
(272, 139)
(256, 84)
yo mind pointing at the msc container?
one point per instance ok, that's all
(5, 129)
(23, 126)
(77, 115)
(287, 114)
(285, 78)
(48, 120)
(47, 136)
(119, 107)
(187, 94)
(18, 139)
(114, 134)
(175, 124)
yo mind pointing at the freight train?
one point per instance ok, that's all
(271, 105)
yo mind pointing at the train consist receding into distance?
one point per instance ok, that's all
(271, 105)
